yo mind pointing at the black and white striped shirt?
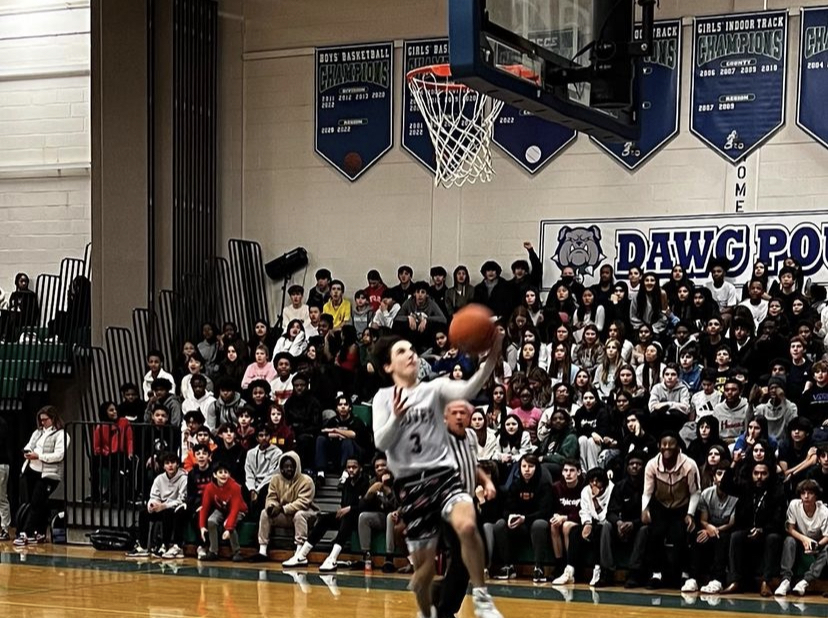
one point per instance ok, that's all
(464, 451)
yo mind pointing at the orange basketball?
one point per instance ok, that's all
(472, 329)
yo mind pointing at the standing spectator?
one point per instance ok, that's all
(5, 463)
(42, 473)
(668, 504)
(709, 550)
(494, 291)
(807, 525)
(198, 477)
(528, 508)
(289, 504)
(321, 292)
(758, 528)
(112, 445)
(222, 506)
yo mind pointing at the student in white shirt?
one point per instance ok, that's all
(297, 310)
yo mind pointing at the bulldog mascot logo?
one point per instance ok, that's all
(580, 248)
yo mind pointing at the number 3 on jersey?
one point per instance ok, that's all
(416, 447)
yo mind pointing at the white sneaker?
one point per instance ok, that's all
(691, 585)
(328, 566)
(484, 606)
(173, 552)
(567, 577)
(801, 587)
(714, 586)
(138, 552)
(201, 552)
(596, 575)
(784, 588)
(295, 561)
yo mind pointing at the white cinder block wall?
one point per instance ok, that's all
(44, 135)
(289, 196)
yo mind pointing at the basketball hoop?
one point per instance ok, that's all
(460, 123)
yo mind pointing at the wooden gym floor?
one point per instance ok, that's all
(73, 582)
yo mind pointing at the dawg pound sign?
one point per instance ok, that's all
(658, 243)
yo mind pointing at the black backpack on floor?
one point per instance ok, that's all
(112, 539)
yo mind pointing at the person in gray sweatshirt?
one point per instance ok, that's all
(669, 402)
(167, 509)
(419, 316)
(778, 410)
(260, 465)
(733, 412)
(361, 312)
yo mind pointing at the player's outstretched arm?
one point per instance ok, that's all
(460, 389)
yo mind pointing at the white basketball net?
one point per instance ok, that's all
(460, 122)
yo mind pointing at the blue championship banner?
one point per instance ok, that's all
(531, 141)
(813, 74)
(738, 89)
(415, 137)
(354, 112)
(659, 93)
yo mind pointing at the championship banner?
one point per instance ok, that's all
(415, 137)
(354, 113)
(659, 93)
(659, 243)
(813, 74)
(738, 89)
(531, 141)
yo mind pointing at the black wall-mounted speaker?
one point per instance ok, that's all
(284, 266)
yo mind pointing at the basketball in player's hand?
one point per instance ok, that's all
(472, 329)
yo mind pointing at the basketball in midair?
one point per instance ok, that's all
(472, 329)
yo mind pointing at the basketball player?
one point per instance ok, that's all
(409, 427)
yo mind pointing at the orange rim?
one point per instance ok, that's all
(443, 71)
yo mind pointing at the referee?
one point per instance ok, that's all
(449, 593)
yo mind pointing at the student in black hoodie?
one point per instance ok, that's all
(760, 516)
(636, 439)
(623, 524)
(230, 452)
(303, 414)
(197, 479)
(132, 407)
(528, 509)
(707, 435)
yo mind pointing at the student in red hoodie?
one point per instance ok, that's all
(112, 443)
(222, 506)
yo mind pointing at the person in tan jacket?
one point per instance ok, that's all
(289, 504)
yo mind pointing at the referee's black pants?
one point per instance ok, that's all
(448, 594)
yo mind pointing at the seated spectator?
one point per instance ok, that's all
(195, 366)
(386, 315)
(592, 427)
(198, 477)
(778, 411)
(709, 549)
(668, 504)
(710, 341)
(604, 379)
(756, 302)
(232, 366)
(703, 401)
(419, 317)
(280, 433)
(293, 341)
(513, 444)
(262, 335)
(685, 339)
(225, 409)
(346, 361)
(758, 527)
(321, 292)
(260, 401)
(799, 373)
(494, 291)
(561, 367)
(282, 383)
(796, 452)
(155, 360)
(201, 435)
(199, 398)
(153, 441)
(733, 412)
(590, 312)
(669, 403)
(131, 407)
(338, 307)
(813, 404)
(636, 438)
(289, 504)
(222, 507)
(757, 430)
(461, 294)
(42, 473)
(819, 473)
(648, 373)
(623, 524)
(261, 463)
(162, 395)
(559, 445)
(807, 526)
(564, 523)
(760, 452)
(210, 348)
(528, 413)
(378, 510)
(342, 438)
(588, 354)
(229, 452)
(246, 429)
(690, 371)
(649, 305)
(260, 369)
(297, 309)
(528, 508)
(362, 313)
(303, 414)
(376, 288)
(352, 486)
(707, 472)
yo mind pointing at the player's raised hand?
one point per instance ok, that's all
(399, 402)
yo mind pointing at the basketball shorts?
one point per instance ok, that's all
(425, 500)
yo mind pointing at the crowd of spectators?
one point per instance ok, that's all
(624, 418)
